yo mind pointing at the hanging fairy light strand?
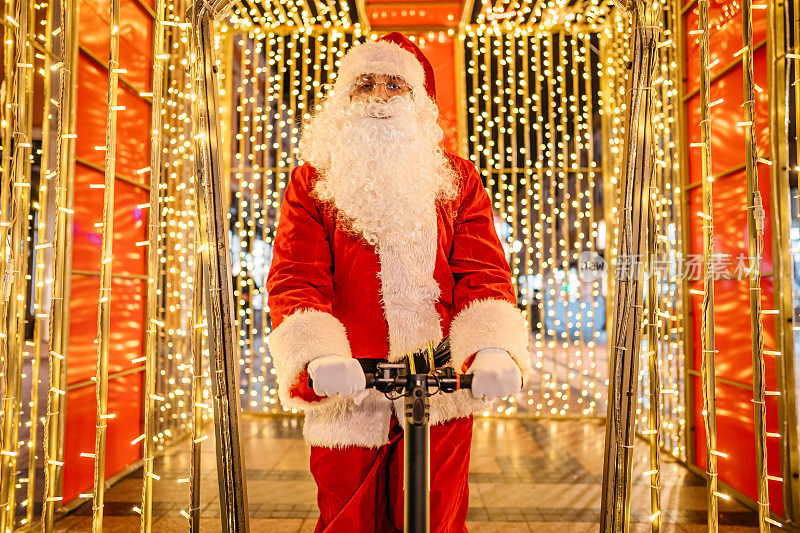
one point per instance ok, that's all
(43, 250)
(537, 172)
(15, 270)
(708, 351)
(62, 253)
(665, 326)
(104, 301)
(153, 254)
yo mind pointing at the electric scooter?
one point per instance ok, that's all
(420, 376)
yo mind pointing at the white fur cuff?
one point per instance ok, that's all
(301, 338)
(490, 323)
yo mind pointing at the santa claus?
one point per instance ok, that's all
(386, 242)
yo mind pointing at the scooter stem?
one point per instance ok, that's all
(416, 481)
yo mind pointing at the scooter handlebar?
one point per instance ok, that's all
(388, 378)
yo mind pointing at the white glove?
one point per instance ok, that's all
(334, 374)
(495, 374)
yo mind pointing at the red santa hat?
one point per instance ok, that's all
(392, 55)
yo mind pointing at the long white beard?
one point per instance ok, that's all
(380, 165)
(385, 177)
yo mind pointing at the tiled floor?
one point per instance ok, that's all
(526, 475)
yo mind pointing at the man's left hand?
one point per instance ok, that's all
(495, 374)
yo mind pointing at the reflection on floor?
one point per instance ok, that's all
(526, 475)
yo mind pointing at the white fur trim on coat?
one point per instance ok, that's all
(490, 323)
(302, 337)
(379, 57)
(342, 423)
(408, 288)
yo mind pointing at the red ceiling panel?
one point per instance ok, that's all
(413, 14)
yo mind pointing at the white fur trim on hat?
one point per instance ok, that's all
(302, 337)
(379, 57)
(490, 323)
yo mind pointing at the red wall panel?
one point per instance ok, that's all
(135, 36)
(736, 437)
(124, 401)
(735, 430)
(731, 303)
(725, 21)
(727, 138)
(440, 52)
(128, 285)
(730, 227)
(130, 224)
(133, 123)
(127, 326)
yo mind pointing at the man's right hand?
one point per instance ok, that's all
(334, 374)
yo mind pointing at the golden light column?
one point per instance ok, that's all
(160, 57)
(779, 63)
(16, 270)
(104, 302)
(219, 304)
(6, 125)
(62, 264)
(625, 343)
(755, 232)
(707, 320)
(44, 230)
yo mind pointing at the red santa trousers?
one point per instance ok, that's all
(360, 490)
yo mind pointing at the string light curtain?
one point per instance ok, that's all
(35, 209)
(277, 78)
(176, 239)
(531, 135)
(543, 104)
(538, 137)
(539, 101)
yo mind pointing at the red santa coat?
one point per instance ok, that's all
(331, 292)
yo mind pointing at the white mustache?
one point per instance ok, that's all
(383, 109)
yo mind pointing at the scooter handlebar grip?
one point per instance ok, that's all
(465, 381)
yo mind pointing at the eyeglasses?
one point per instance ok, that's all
(367, 84)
